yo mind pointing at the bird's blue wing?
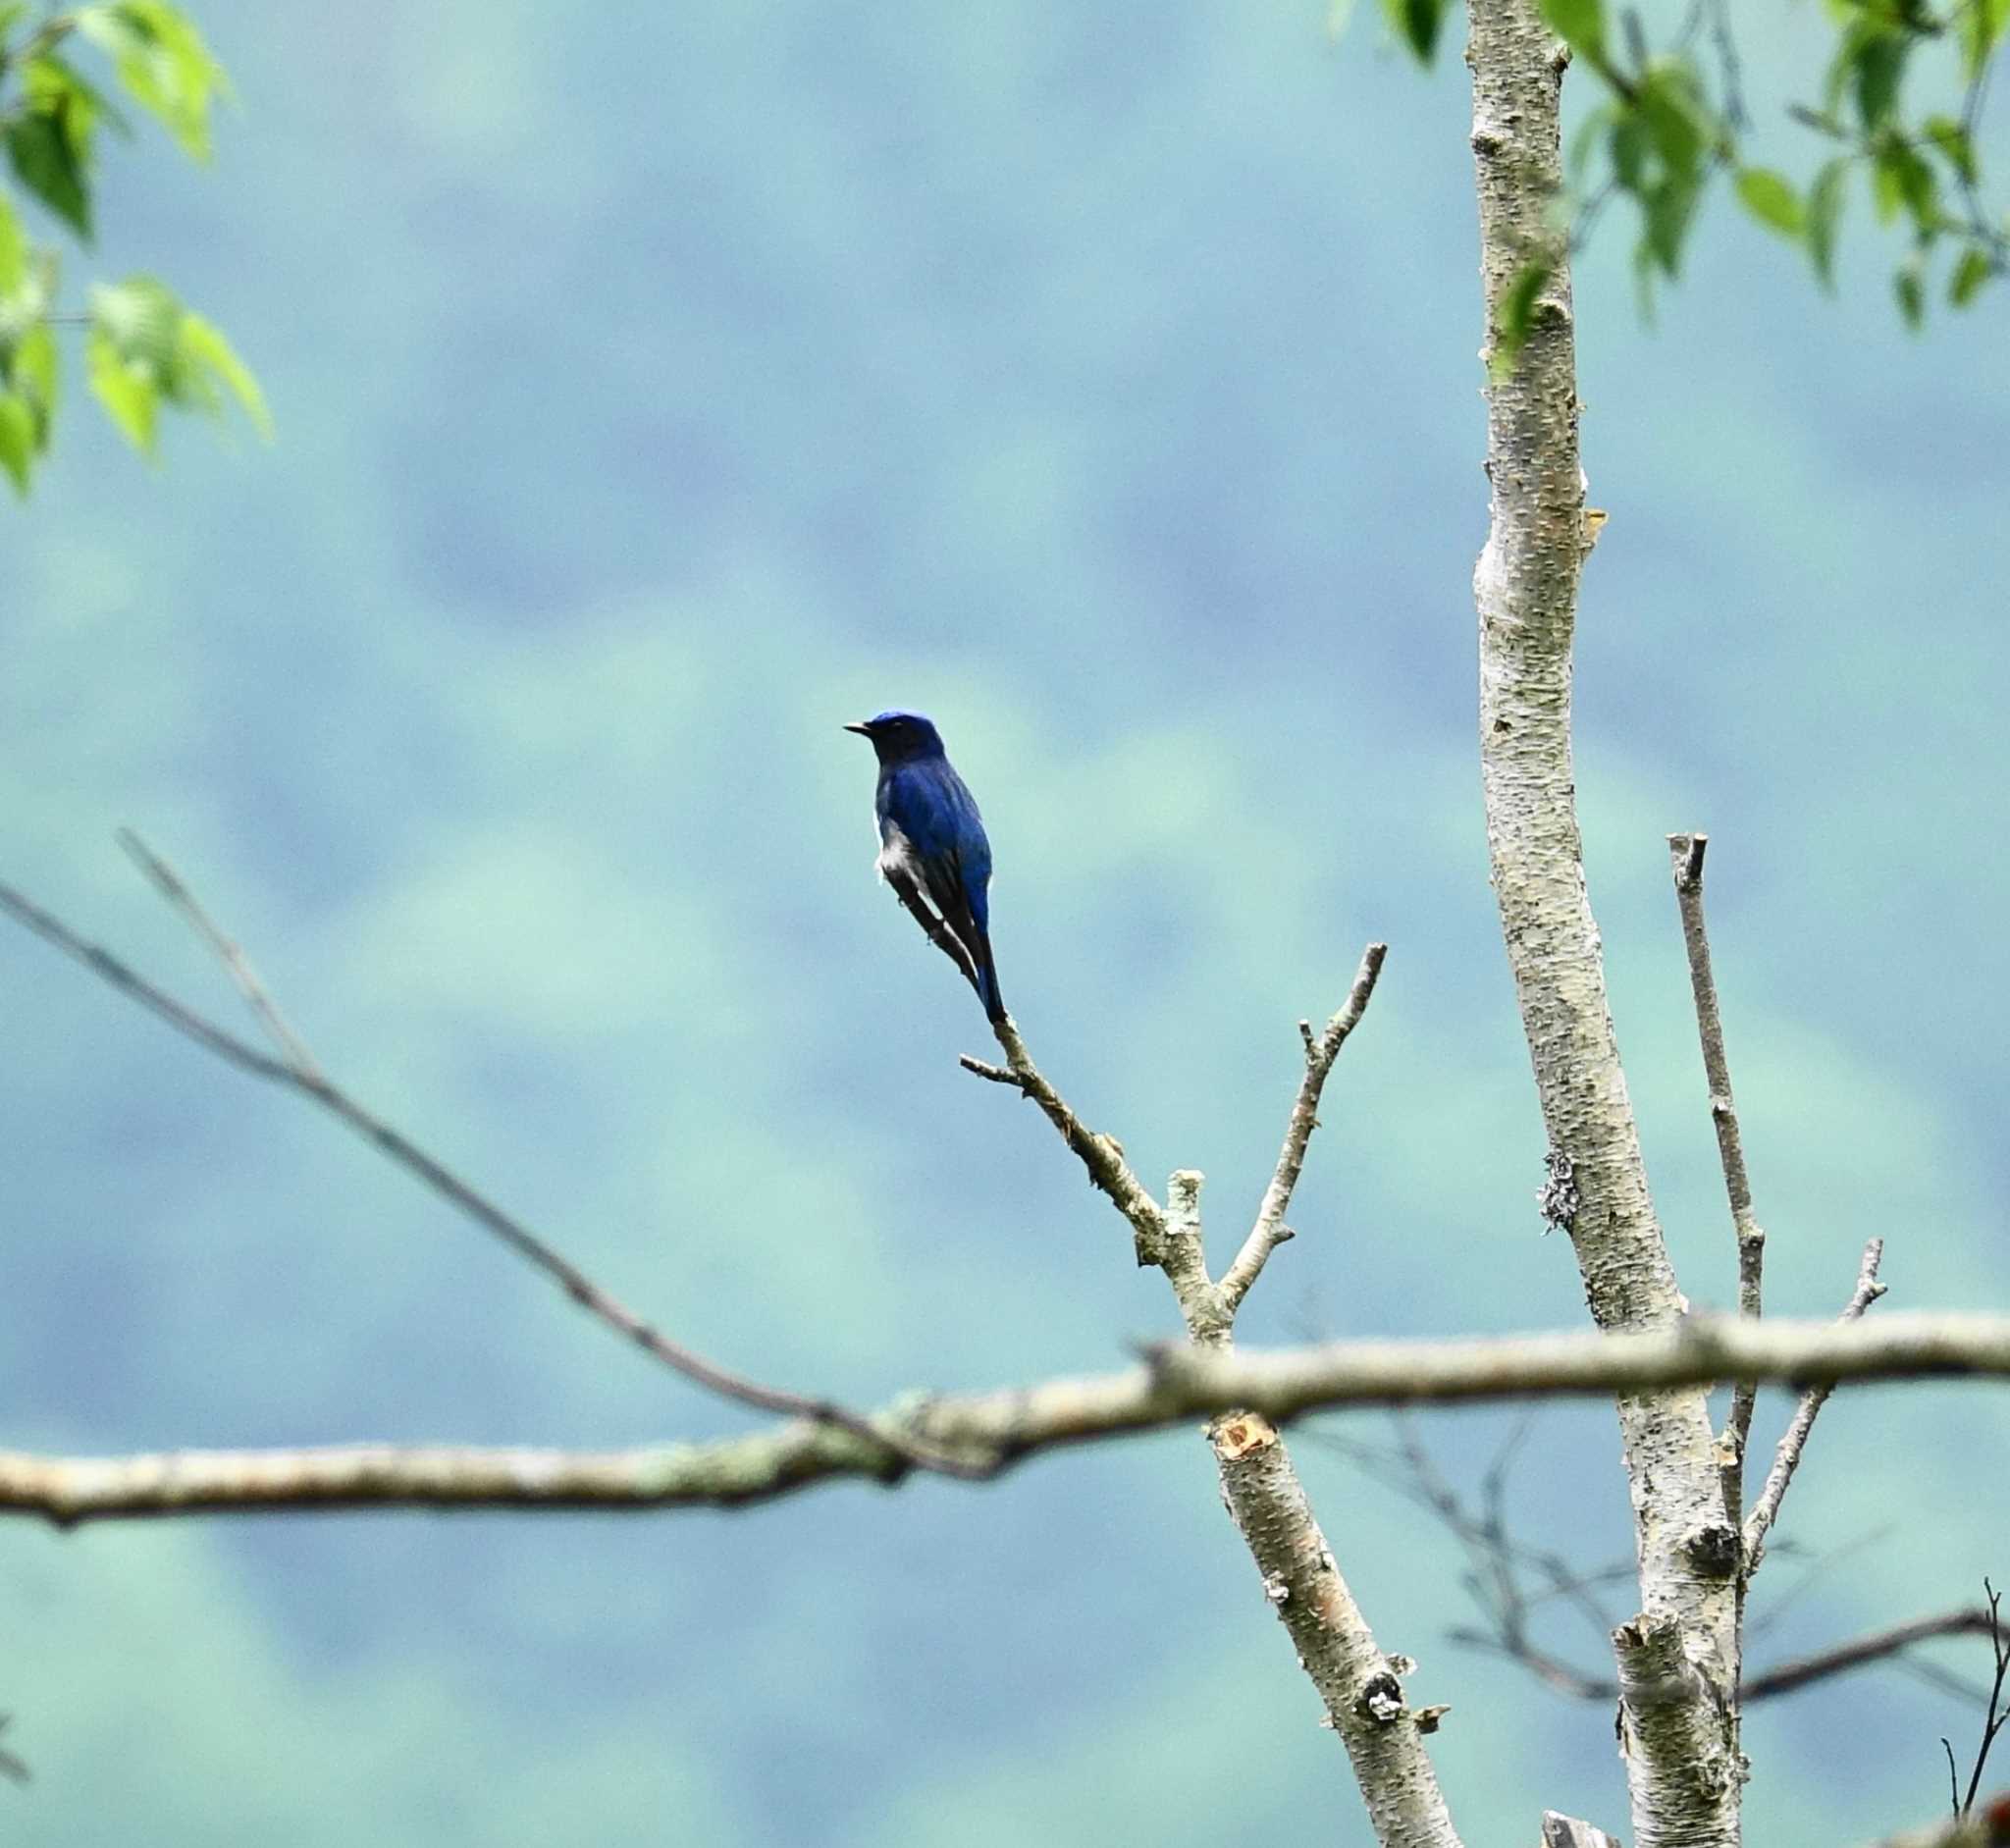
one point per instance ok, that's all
(931, 808)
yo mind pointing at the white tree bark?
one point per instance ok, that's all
(1526, 589)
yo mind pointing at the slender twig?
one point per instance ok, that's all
(1175, 1384)
(1497, 1558)
(1861, 1652)
(237, 965)
(1270, 1230)
(1996, 1715)
(1409, 1472)
(1101, 1155)
(474, 1204)
(1787, 1458)
(1879, 1646)
(1731, 72)
(1685, 854)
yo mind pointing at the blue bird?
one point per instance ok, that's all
(932, 847)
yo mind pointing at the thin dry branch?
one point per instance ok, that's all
(1996, 1712)
(1889, 1645)
(307, 1081)
(995, 1430)
(1270, 1230)
(1685, 856)
(1787, 1458)
(1101, 1155)
(1862, 1652)
(172, 887)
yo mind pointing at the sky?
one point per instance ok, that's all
(653, 394)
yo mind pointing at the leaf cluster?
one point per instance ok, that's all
(1673, 118)
(142, 349)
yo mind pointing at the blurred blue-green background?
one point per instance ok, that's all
(657, 388)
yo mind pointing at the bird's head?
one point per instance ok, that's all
(901, 737)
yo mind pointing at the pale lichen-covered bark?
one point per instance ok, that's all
(1358, 1684)
(1526, 589)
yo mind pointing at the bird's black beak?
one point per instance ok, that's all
(864, 731)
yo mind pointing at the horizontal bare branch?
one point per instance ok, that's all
(993, 1430)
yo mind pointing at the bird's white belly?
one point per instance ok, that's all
(897, 854)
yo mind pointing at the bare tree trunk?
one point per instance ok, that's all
(1677, 1714)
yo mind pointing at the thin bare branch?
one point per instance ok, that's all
(1685, 856)
(1270, 1230)
(1862, 1652)
(171, 886)
(1996, 1715)
(391, 1143)
(1787, 1458)
(993, 1430)
(1101, 1155)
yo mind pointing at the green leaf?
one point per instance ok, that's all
(1670, 208)
(1581, 24)
(44, 156)
(1772, 200)
(12, 248)
(162, 64)
(206, 354)
(33, 370)
(141, 318)
(146, 351)
(1515, 316)
(17, 441)
(1825, 212)
(1901, 178)
(1981, 25)
(1951, 139)
(1629, 150)
(1875, 62)
(123, 387)
(1670, 103)
(1416, 24)
(1909, 284)
(1974, 269)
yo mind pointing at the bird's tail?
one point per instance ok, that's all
(987, 980)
